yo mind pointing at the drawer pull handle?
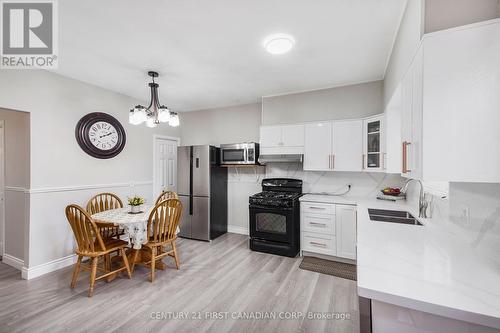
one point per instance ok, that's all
(318, 244)
(316, 223)
(312, 207)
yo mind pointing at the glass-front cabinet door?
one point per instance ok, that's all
(374, 144)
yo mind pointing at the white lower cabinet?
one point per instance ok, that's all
(345, 221)
(328, 229)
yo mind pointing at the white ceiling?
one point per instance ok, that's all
(209, 53)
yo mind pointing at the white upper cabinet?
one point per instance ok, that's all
(270, 136)
(318, 146)
(411, 119)
(374, 144)
(461, 105)
(347, 145)
(293, 135)
(285, 139)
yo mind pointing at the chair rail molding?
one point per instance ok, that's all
(88, 187)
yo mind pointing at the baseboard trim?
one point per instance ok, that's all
(12, 261)
(234, 229)
(54, 265)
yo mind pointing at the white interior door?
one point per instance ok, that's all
(2, 190)
(165, 165)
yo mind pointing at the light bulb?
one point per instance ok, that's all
(164, 115)
(151, 122)
(141, 115)
(132, 118)
(174, 119)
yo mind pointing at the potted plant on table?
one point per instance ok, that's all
(135, 204)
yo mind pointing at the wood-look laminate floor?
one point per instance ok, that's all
(218, 284)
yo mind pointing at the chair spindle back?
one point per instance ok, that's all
(164, 220)
(85, 230)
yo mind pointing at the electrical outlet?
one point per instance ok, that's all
(465, 215)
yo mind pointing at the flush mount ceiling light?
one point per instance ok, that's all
(155, 113)
(278, 43)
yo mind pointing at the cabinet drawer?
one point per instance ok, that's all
(318, 208)
(320, 223)
(318, 243)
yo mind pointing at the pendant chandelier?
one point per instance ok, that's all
(155, 113)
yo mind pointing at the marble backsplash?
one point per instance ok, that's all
(472, 212)
(362, 183)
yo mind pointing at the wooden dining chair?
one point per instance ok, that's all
(102, 202)
(162, 226)
(166, 195)
(91, 244)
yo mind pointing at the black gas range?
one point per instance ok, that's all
(275, 217)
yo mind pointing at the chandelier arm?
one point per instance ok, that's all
(148, 109)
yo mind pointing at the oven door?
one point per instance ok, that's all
(234, 156)
(272, 224)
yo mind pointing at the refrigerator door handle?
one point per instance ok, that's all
(191, 180)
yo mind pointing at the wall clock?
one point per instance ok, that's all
(100, 135)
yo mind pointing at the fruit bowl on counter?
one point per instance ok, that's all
(393, 191)
(391, 194)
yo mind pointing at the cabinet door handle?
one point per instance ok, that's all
(312, 207)
(384, 155)
(405, 156)
(317, 244)
(363, 162)
(316, 223)
(329, 162)
(333, 161)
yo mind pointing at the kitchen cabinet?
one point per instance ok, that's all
(374, 144)
(334, 146)
(328, 229)
(318, 146)
(449, 108)
(345, 222)
(283, 139)
(412, 118)
(461, 103)
(347, 145)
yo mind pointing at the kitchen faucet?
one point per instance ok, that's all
(422, 204)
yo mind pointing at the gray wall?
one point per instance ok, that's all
(444, 14)
(17, 178)
(405, 46)
(60, 172)
(335, 103)
(224, 125)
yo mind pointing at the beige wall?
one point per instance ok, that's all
(444, 14)
(224, 125)
(17, 178)
(335, 103)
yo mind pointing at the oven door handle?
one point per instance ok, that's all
(271, 209)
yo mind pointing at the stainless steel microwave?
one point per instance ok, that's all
(239, 153)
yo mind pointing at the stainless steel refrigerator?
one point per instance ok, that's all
(202, 189)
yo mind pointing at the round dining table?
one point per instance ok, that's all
(135, 226)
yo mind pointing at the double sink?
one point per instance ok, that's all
(394, 216)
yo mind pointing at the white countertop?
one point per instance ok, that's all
(425, 268)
